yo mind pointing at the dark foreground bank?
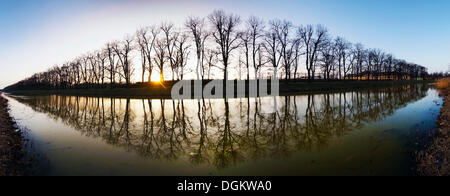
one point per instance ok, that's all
(158, 90)
(12, 145)
(434, 159)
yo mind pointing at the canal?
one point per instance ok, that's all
(364, 132)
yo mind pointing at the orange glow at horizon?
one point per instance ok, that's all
(155, 78)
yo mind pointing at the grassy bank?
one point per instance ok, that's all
(164, 90)
(12, 153)
(434, 160)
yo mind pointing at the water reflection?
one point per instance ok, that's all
(221, 133)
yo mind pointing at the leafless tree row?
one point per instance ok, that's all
(276, 48)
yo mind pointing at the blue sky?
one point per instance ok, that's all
(37, 34)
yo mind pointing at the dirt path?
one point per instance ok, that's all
(434, 160)
(11, 144)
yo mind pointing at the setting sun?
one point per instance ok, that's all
(155, 78)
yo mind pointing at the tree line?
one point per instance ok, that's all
(276, 48)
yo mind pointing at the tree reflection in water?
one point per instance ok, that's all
(221, 133)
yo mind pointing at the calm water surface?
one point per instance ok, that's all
(349, 133)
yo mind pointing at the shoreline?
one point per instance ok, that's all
(431, 160)
(12, 146)
(164, 92)
(434, 159)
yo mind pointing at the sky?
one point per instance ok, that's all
(38, 34)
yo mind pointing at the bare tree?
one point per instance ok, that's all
(160, 57)
(376, 59)
(141, 36)
(261, 61)
(359, 54)
(225, 34)
(199, 33)
(388, 64)
(101, 60)
(84, 69)
(240, 66)
(327, 58)
(112, 62)
(75, 64)
(271, 46)
(123, 53)
(342, 47)
(146, 39)
(211, 57)
(297, 53)
(245, 39)
(312, 39)
(287, 44)
(170, 39)
(182, 55)
(256, 27)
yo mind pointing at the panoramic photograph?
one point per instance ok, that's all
(196, 88)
